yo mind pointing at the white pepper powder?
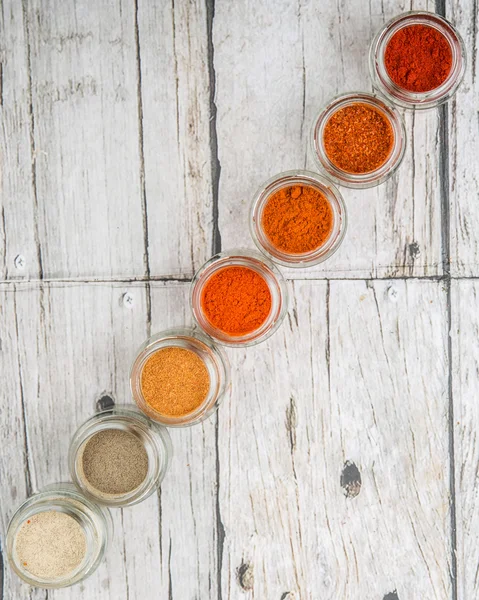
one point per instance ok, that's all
(50, 545)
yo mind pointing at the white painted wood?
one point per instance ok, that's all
(464, 148)
(349, 377)
(465, 330)
(18, 226)
(276, 66)
(176, 135)
(66, 360)
(86, 140)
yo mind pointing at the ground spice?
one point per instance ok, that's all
(114, 462)
(236, 300)
(358, 138)
(418, 58)
(50, 545)
(175, 381)
(297, 219)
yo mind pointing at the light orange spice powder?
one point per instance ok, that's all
(175, 381)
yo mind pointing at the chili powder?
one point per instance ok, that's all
(358, 138)
(236, 300)
(297, 219)
(418, 58)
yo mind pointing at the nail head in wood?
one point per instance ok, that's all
(20, 262)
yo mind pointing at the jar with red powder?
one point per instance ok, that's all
(239, 298)
(417, 60)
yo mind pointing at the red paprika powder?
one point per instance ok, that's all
(236, 300)
(418, 58)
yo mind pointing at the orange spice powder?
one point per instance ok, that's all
(175, 381)
(297, 219)
(236, 300)
(358, 138)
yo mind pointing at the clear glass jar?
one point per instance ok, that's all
(359, 180)
(155, 440)
(421, 100)
(94, 520)
(287, 179)
(215, 361)
(276, 284)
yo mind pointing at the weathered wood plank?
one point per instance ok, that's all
(348, 379)
(465, 332)
(463, 137)
(173, 48)
(276, 66)
(18, 214)
(85, 137)
(66, 360)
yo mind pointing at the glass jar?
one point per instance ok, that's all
(271, 275)
(155, 440)
(305, 178)
(421, 100)
(94, 520)
(371, 178)
(215, 361)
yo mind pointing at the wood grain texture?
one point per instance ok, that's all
(465, 333)
(18, 211)
(276, 66)
(175, 87)
(463, 135)
(59, 362)
(347, 379)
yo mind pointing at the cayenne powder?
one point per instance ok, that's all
(297, 219)
(236, 300)
(418, 58)
(358, 138)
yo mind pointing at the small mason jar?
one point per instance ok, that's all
(370, 178)
(292, 178)
(95, 523)
(271, 275)
(419, 100)
(214, 360)
(155, 440)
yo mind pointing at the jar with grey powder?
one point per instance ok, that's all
(119, 457)
(58, 537)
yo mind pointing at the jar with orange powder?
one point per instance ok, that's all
(239, 298)
(298, 219)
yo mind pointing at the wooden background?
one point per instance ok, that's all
(133, 135)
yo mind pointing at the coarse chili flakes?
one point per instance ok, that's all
(358, 138)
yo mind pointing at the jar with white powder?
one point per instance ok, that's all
(58, 537)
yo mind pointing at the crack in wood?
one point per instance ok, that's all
(215, 161)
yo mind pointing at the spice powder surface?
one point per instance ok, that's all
(418, 58)
(297, 219)
(236, 300)
(50, 545)
(358, 138)
(175, 381)
(114, 462)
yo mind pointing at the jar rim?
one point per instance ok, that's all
(215, 360)
(155, 440)
(267, 270)
(401, 96)
(332, 195)
(95, 521)
(371, 178)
